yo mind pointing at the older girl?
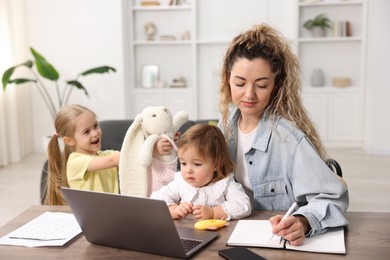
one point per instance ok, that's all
(82, 165)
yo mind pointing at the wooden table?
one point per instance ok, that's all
(367, 237)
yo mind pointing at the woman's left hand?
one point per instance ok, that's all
(292, 228)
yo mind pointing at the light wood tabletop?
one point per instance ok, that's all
(367, 237)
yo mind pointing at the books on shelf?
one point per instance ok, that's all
(342, 29)
(257, 233)
(149, 3)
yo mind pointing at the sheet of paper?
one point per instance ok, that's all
(48, 229)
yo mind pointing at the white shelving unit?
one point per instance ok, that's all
(211, 24)
(141, 51)
(337, 111)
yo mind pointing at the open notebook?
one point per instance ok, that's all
(256, 233)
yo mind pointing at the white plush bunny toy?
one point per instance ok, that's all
(139, 172)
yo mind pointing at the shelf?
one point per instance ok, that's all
(329, 39)
(327, 89)
(141, 90)
(337, 111)
(153, 43)
(341, 2)
(175, 56)
(205, 42)
(161, 8)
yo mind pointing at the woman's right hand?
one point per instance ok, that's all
(293, 228)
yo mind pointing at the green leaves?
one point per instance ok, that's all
(98, 70)
(54, 102)
(6, 79)
(320, 20)
(44, 68)
(78, 85)
(22, 80)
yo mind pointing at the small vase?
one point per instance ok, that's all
(317, 78)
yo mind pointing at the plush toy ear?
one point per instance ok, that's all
(134, 127)
(130, 172)
(179, 119)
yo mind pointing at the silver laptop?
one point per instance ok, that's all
(133, 223)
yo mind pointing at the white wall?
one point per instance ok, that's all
(377, 128)
(74, 36)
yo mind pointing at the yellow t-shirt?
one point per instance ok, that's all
(79, 178)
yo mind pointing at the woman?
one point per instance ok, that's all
(278, 155)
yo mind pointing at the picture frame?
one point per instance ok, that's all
(150, 75)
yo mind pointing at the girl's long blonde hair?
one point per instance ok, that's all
(262, 41)
(64, 123)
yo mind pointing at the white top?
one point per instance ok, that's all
(244, 143)
(226, 192)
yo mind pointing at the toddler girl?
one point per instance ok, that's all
(205, 187)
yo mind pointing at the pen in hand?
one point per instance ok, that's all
(288, 213)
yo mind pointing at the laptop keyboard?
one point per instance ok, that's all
(189, 244)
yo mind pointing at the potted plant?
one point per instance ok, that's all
(318, 25)
(47, 71)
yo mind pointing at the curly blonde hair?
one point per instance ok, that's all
(263, 41)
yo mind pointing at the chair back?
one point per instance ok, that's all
(334, 166)
(113, 133)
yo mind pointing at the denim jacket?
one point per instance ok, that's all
(284, 167)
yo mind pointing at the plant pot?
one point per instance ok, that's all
(318, 31)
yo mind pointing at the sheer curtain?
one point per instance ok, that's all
(16, 139)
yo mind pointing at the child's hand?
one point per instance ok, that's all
(203, 212)
(162, 147)
(181, 210)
